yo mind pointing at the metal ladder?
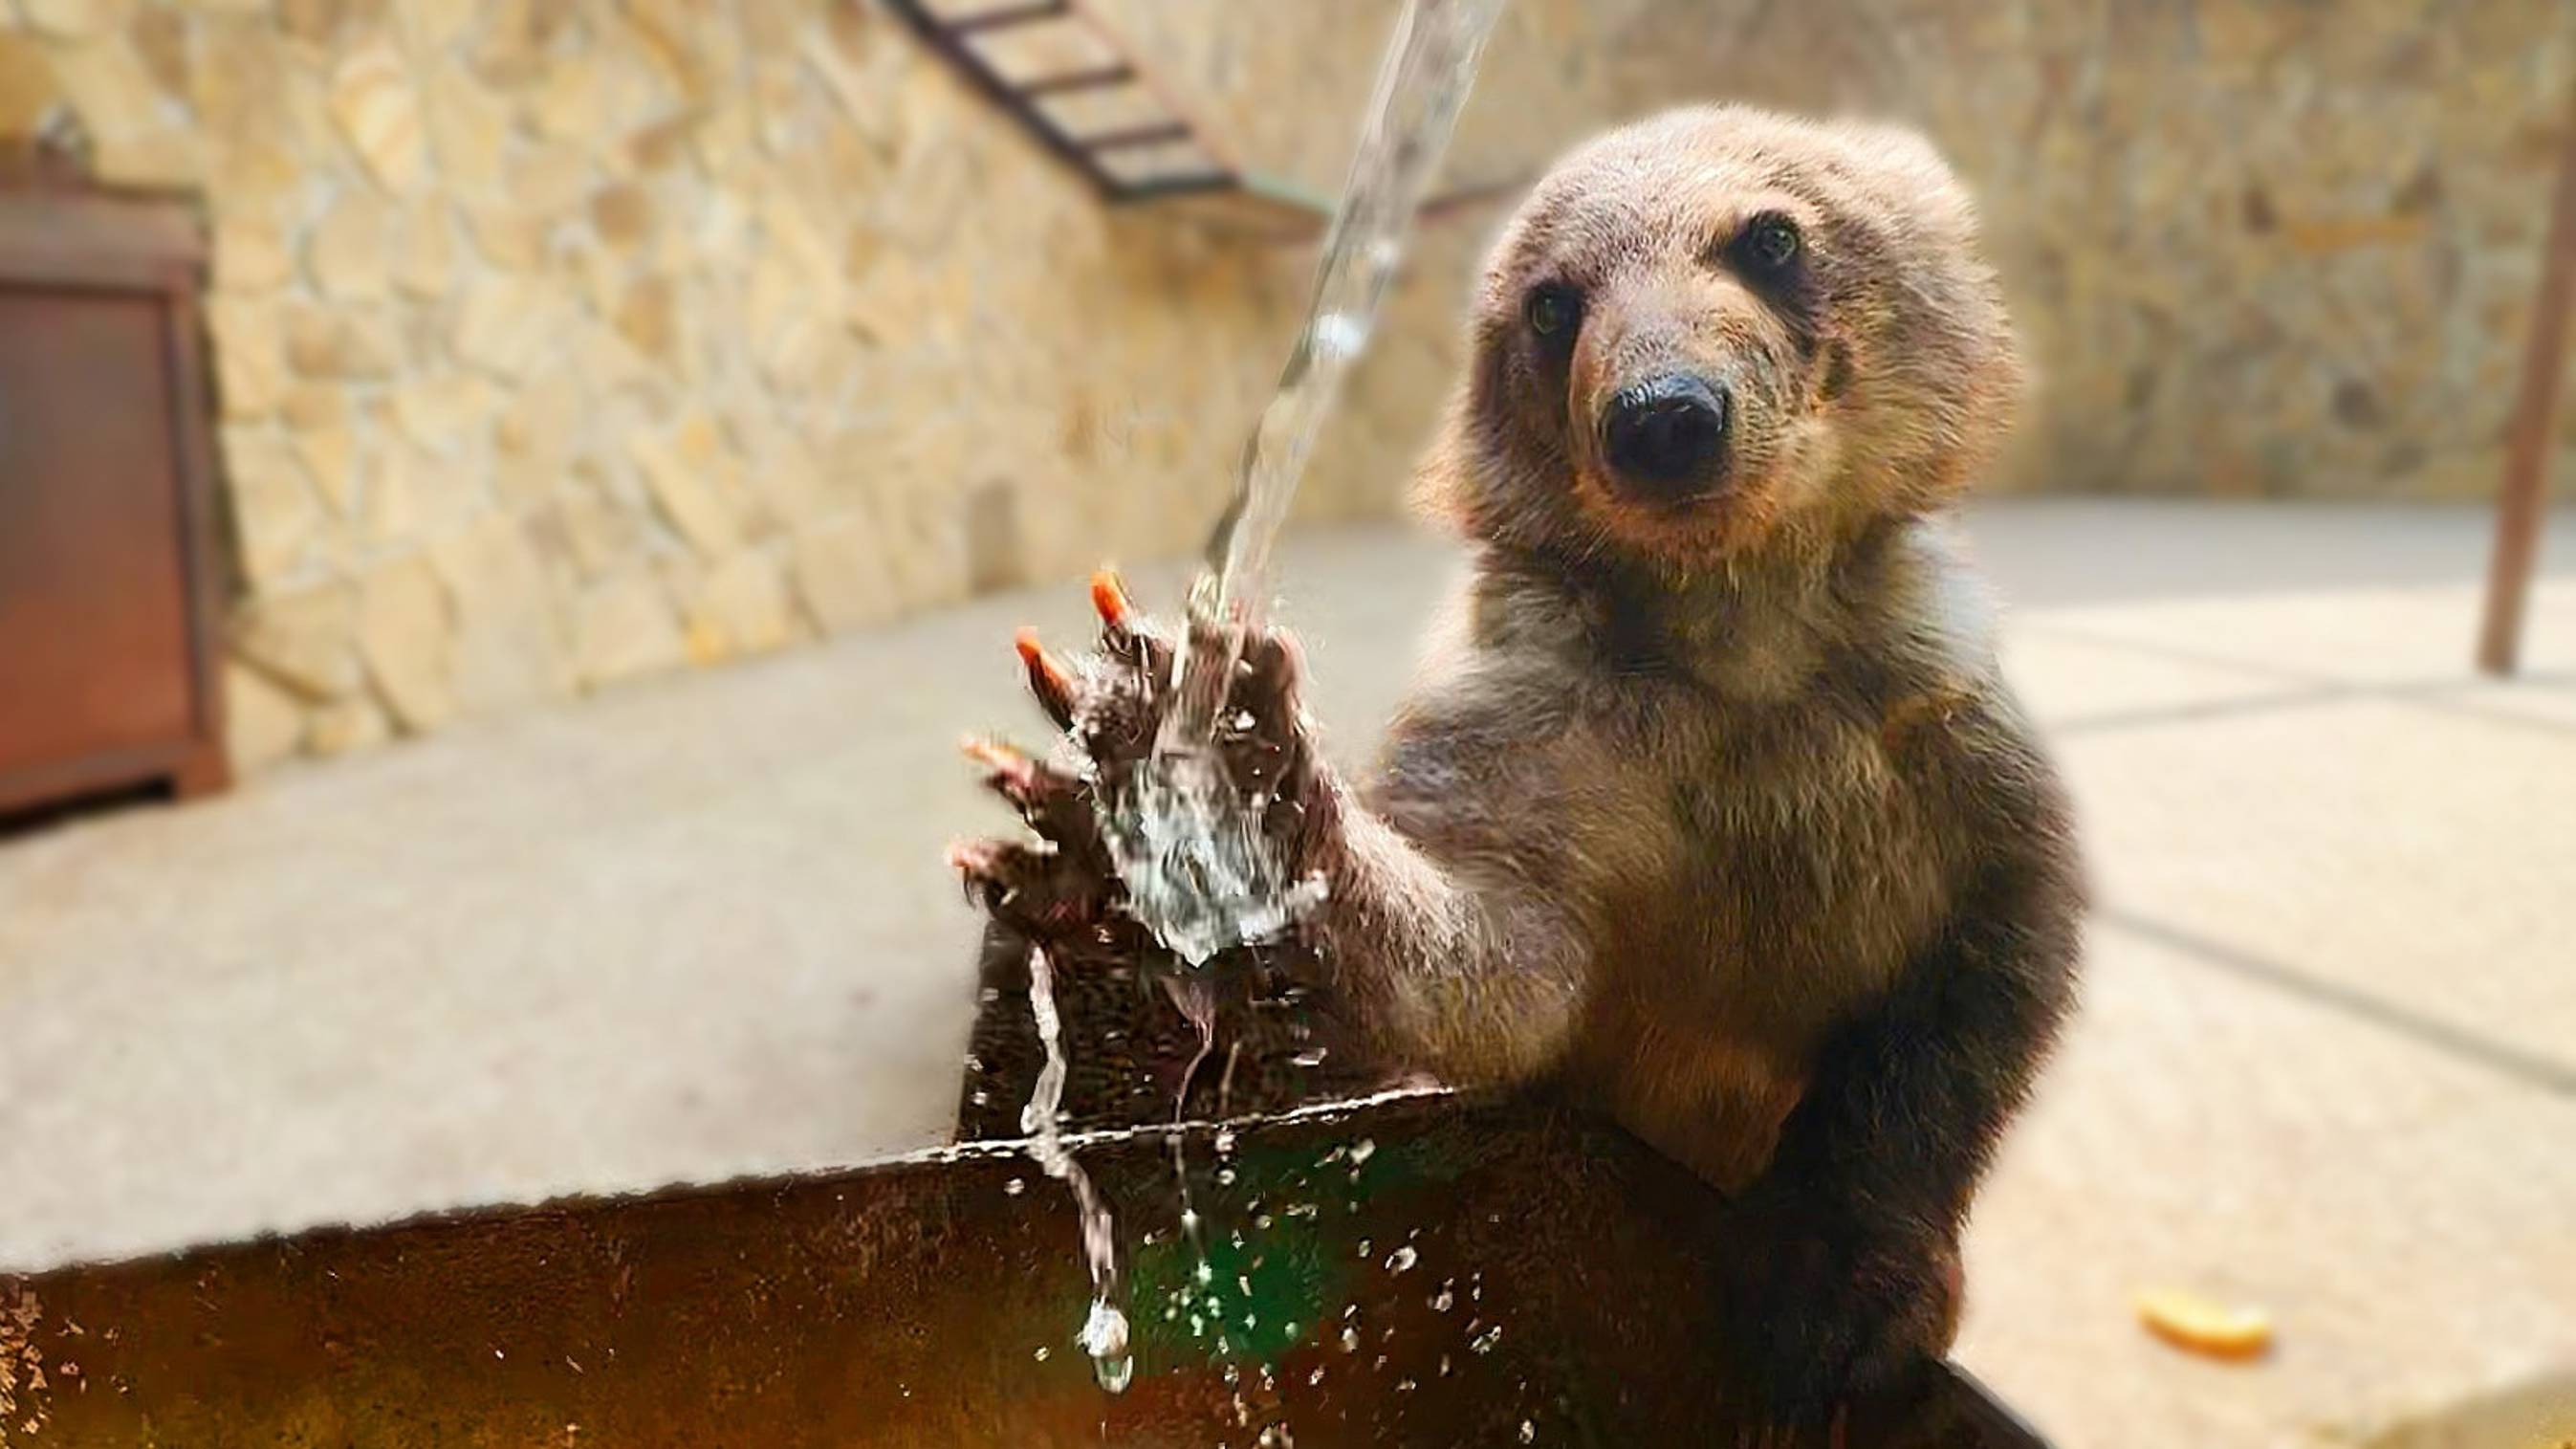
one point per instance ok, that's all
(1101, 109)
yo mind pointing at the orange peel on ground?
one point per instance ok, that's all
(2203, 1325)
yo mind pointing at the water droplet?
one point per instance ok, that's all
(1400, 1260)
(1441, 1300)
(1363, 1150)
(1340, 335)
(1529, 1432)
(1104, 1333)
(1485, 1341)
(1041, 1354)
(1014, 1187)
(1350, 1340)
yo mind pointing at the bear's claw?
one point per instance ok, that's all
(1042, 893)
(1109, 598)
(1049, 680)
(1049, 800)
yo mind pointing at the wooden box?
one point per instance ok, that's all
(108, 594)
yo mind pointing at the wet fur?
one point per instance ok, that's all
(1719, 818)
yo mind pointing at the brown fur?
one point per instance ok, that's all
(1715, 814)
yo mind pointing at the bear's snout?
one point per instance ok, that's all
(1665, 437)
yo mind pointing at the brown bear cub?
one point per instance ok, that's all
(1710, 811)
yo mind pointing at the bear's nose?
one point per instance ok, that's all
(1665, 431)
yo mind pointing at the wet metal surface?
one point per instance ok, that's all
(1411, 1271)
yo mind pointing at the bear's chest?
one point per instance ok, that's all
(1807, 863)
(1806, 872)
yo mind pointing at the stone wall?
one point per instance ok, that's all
(565, 342)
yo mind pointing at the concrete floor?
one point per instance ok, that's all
(700, 927)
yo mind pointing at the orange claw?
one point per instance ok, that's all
(1000, 758)
(1110, 597)
(1046, 675)
(1035, 656)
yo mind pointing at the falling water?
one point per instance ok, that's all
(1104, 1329)
(1188, 847)
(1197, 1002)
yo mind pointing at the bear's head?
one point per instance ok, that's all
(1722, 334)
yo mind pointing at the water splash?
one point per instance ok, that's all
(1192, 859)
(1190, 851)
(1104, 1330)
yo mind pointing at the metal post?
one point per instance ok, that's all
(2518, 511)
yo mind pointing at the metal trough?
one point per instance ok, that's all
(1409, 1270)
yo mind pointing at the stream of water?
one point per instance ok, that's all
(1187, 845)
(1104, 1329)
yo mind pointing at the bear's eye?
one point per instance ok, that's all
(1770, 242)
(1554, 310)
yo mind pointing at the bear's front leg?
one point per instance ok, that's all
(1845, 1276)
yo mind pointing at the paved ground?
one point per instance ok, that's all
(2328, 1060)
